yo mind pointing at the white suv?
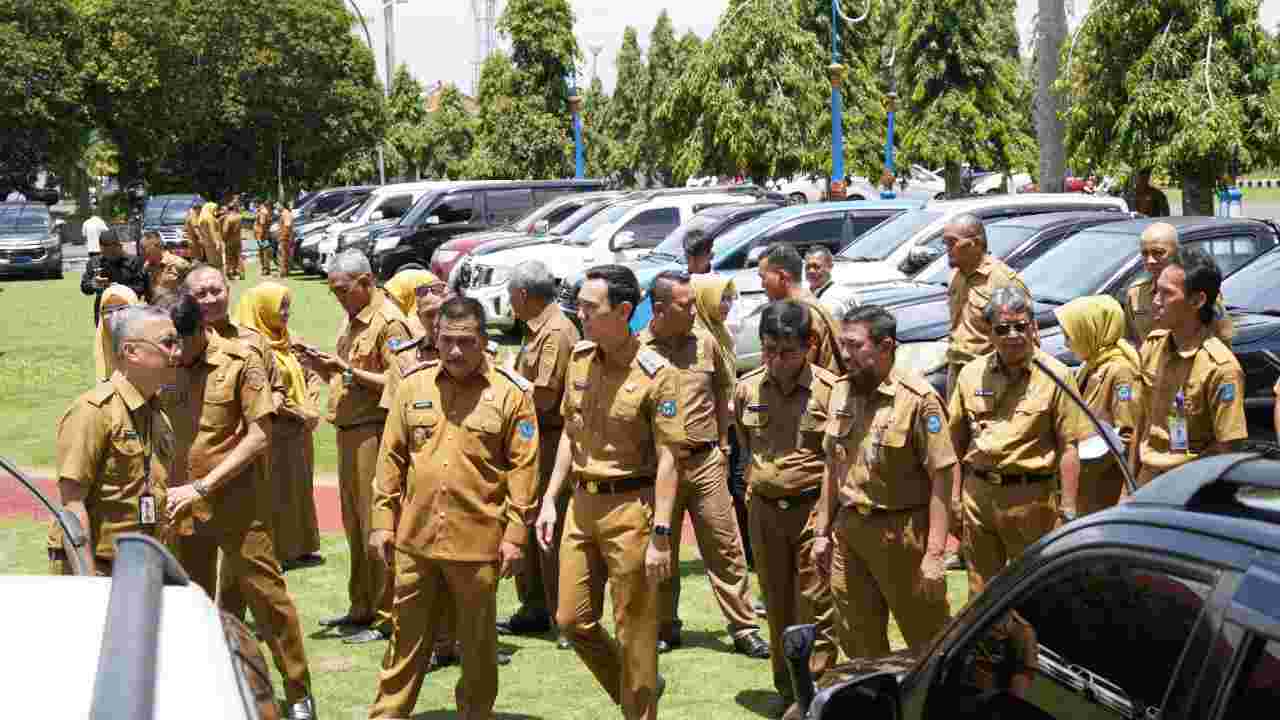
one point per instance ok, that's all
(623, 231)
(388, 202)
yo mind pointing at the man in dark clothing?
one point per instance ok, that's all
(113, 267)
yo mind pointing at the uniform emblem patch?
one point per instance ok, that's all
(934, 423)
(1227, 392)
(667, 408)
(1124, 393)
(526, 429)
(396, 343)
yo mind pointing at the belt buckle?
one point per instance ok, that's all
(783, 504)
(593, 487)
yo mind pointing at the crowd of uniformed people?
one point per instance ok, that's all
(572, 467)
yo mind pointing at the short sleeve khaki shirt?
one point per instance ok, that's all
(967, 297)
(167, 275)
(1115, 392)
(119, 447)
(891, 441)
(365, 341)
(824, 352)
(1139, 320)
(782, 431)
(703, 374)
(544, 359)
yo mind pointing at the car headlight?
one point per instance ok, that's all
(328, 245)
(446, 256)
(386, 243)
(922, 357)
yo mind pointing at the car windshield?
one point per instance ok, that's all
(884, 238)
(582, 234)
(735, 237)
(673, 244)
(1079, 265)
(1254, 286)
(417, 213)
(577, 217)
(167, 211)
(23, 218)
(1001, 240)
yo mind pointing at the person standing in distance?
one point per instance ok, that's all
(885, 498)
(113, 267)
(285, 244)
(454, 498)
(261, 233)
(623, 426)
(817, 270)
(165, 271)
(697, 251)
(1195, 386)
(1159, 248)
(781, 271)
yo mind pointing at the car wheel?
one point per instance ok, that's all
(797, 199)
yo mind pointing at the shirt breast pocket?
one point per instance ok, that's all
(756, 425)
(1031, 412)
(422, 426)
(887, 443)
(219, 405)
(125, 462)
(484, 428)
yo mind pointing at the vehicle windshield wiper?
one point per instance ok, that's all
(1049, 300)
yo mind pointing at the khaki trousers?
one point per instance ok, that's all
(605, 538)
(231, 247)
(297, 531)
(422, 587)
(266, 496)
(783, 540)
(875, 569)
(370, 584)
(703, 490)
(213, 254)
(539, 576)
(247, 550)
(1000, 521)
(285, 254)
(264, 258)
(1100, 485)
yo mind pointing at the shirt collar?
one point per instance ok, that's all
(803, 380)
(1190, 352)
(132, 398)
(479, 377)
(539, 322)
(890, 384)
(984, 267)
(365, 316)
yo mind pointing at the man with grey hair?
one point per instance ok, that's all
(357, 376)
(817, 270)
(543, 360)
(1015, 432)
(976, 275)
(115, 444)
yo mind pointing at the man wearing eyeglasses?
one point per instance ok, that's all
(113, 267)
(115, 449)
(1159, 248)
(1016, 432)
(782, 411)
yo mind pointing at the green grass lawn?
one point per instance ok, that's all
(704, 678)
(46, 357)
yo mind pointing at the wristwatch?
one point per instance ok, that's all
(1068, 515)
(201, 489)
(662, 530)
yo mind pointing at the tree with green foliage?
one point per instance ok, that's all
(1184, 87)
(595, 114)
(543, 48)
(658, 157)
(964, 98)
(406, 116)
(755, 98)
(41, 106)
(626, 128)
(449, 136)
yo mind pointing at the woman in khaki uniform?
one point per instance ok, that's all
(1111, 384)
(402, 289)
(104, 358)
(265, 308)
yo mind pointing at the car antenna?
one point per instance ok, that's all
(1107, 437)
(73, 534)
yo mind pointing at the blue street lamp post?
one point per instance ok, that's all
(575, 109)
(836, 71)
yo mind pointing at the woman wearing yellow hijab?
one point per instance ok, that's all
(104, 357)
(1110, 382)
(402, 289)
(265, 308)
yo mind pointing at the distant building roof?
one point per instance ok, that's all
(432, 99)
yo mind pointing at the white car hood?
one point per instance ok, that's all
(858, 273)
(562, 260)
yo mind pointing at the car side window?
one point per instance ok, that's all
(1100, 639)
(455, 208)
(651, 226)
(395, 206)
(1230, 251)
(329, 203)
(504, 205)
(1038, 248)
(1256, 691)
(820, 231)
(554, 217)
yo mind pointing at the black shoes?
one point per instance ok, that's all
(303, 561)
(441, 660)
(367, 635)
(522, 624)
(669, 643)
(752, 646)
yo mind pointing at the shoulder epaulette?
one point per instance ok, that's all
(492, 348)
(650, 361)
(824, 375)
(1137, 285)
(400, 345)
(583, 346)
(1218, 350)
(916, 384)
(99, 395)
(759, 370)
(1155, 335)
(421, 366)
(515, 377)
(235, 348)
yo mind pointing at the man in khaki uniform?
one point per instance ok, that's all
(232, 239)
(1276, 411)
(191, 230)
(210, 233)
(285, 241)
(455, 494)
(543, 362)
(165, 270)
(261, 228)
(782, 410)
(781, 273)
(1195, 386)
(1015, 431)
(115, 444)
(357, 377)
(706, 389)
(221, 408)
(885, 497)
(975, 276)
(622, 430)
(817, 270)
(1159, 247)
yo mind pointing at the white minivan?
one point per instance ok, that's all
(388, 202)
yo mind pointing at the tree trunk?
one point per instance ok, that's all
(1050, 130)
(1197, 188)
(952, 176)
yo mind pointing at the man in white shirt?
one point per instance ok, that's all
(92, 231)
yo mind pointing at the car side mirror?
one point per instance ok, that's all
(541, 227)
(432, 220)
(624, 240)
(754, 255)
(377, 215)
(918, 257)
(871, 697)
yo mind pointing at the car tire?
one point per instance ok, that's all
(797, 199)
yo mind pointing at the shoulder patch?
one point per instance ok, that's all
(515, 378)
(400, 344)
(1124, 392)
(933, 424)
(583, 346)
(526, 429)
(1227, 392)
(667, 408)
(101, 394)
(651, 362)
(1218, 351)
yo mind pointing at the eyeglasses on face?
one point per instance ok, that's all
(439, 290)
(1003, 329)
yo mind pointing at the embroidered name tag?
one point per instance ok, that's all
(983, 392)
(423, 405)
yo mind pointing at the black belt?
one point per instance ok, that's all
(868, 510)
(698, 449)
(785, 502)
(1007, 479)
(620, 485)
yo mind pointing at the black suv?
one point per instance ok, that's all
(167, 215)
(1164, 607)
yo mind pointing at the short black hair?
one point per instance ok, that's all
(464, 308)
(621, 281)
(786, 320)
(183, 309)
(1201, 274)
(787, 259)
(697, 243)
(660, 288)
(880, 323)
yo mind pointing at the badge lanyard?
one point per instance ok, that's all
(146, 501)
(1178, 424)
